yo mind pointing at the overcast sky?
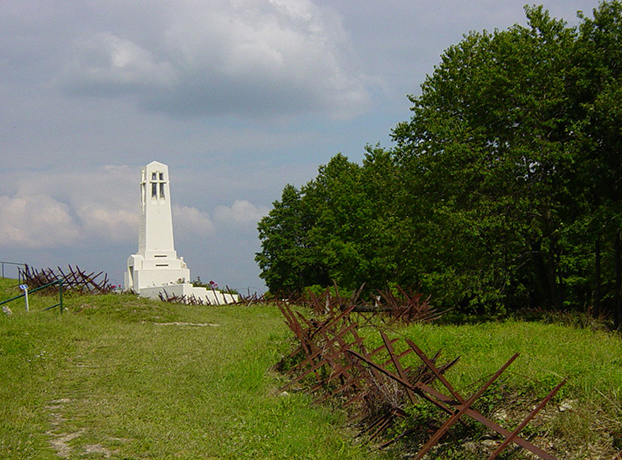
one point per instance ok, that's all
(237, 97)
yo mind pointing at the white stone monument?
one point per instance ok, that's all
(156, 267)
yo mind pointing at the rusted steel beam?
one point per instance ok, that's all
(395, 439)
(323, 347)
(386, 422)
(453, 407)
(506, 433)
(527, 419)
(398, 366)
(72, 278)
(335, 352)
(435, 370)
(467, 405)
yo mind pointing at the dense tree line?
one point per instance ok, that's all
(503, 190)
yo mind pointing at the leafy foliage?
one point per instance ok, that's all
(503, 190)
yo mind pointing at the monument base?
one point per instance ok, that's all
(209, 297)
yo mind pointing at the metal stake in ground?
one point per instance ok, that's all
(24, 288)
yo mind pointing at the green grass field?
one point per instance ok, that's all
(126, 378)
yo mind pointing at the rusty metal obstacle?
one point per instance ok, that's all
(378, 385)
(392, 306)
(455, 404)
(73, 279)
(165, 296)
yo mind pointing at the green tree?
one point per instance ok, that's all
(504, 188)
(601, 164)
(484, 151)
(340, 227)
(355, 228)
(288, 260)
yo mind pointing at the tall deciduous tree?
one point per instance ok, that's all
(288, 260)
(339, 227)
(485, 148)
(600, 58)
(504, 188)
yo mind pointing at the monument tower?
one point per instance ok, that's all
(156, 262)
(155, 267)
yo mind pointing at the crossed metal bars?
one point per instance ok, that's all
(334, 352)
(320, 343)
(73, 279)
(325, 345)
(401, 306)
(456, 405)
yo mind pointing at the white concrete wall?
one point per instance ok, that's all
(209, 297)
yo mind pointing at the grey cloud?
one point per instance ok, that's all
(252, 57)
(105, 64)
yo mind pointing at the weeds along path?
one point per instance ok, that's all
(118, 377)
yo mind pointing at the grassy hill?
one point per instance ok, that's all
(126, 378)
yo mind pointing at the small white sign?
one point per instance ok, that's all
(24, 288)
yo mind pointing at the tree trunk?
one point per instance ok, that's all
(552, 272)
(597, 280)
(617, 304)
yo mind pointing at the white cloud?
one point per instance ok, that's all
(189, 221)
(36, 221)
(44, 209)
(115, 225)
(241, 212)
(100, 206)
(39, 221)
(246, 57)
